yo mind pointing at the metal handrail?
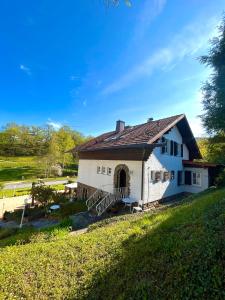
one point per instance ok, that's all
(90, 203)
(108, 200)
(93, 199)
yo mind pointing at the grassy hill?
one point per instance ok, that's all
(27, 167)
(13, 168)
(178, 253)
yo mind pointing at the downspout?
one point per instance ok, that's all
(142, 176)
(142, 180)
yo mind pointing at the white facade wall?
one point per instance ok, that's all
(164, 162)
(87, 174)
(204, 180)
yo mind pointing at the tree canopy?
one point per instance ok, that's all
(214, 100)
(214, 88)
(18, 140)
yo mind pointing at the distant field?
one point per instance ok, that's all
(24, 168)
(16, 168)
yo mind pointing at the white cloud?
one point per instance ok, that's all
(151, 9)
(196, 127)
(25, 69)
(188, 42)
(55, 125)
(74, 77)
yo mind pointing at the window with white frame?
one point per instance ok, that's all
(196, 178)
(166, 176)
(98, 169)
(109, 171)
(157, 176)
(103, 170)
(152, 176)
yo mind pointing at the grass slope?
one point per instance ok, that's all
(178, 253)
(27, 167)
(13, 168)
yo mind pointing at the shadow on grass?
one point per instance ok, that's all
(178, 256)
(16, 173)
(30, 234)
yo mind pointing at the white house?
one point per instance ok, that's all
(147, 162)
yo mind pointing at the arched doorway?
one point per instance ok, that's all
(122, 179)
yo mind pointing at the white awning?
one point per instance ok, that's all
(71, 185)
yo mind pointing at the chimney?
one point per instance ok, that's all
(120, 126)
(149, 120)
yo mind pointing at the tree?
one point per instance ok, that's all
(214, 89)
(42, 193)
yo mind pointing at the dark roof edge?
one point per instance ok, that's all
(132, 146)
(171, 125)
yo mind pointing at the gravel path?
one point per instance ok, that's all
(12, 186)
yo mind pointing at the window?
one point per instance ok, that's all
(109, 171)
(187, 177)
(164, 148)
(153, 176)
(157, 176)
(172, 175)
(166, 176)
(196, 178)
(103, 170)
(180, 179)
(98, 169)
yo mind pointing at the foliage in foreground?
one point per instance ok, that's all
(29, 234)
(178, 253)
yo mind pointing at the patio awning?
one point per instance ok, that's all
(71, 185)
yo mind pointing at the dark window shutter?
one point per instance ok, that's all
(171, 147)
(175, 149)
(187, 178)
(163, 147)
(181, 150)
(179, 177)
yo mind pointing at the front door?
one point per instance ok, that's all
(122, 179)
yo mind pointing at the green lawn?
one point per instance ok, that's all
(28, 168)
(25, 191)
(14, 168)
(178, 253)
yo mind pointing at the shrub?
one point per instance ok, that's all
(30, 213)
(13, 215)
(220, 180)
(6, 232)
(42, 193)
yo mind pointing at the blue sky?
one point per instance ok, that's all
(82, 64)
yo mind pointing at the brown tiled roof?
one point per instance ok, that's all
(146, 133)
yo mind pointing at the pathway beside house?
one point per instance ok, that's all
(12, 203)
(18, 185)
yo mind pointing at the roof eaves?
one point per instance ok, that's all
(141, 145)
(157, 136)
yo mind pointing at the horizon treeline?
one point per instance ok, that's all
(20, 140)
